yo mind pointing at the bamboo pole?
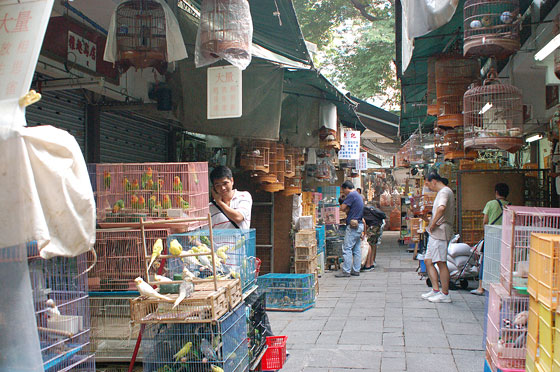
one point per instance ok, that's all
(212, 250)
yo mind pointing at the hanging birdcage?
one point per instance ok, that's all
(415, 149)
(494, 116)
(453, 147)
(141, 35)
(491, 28)
(401, 158)
(293, 185)
(256, 156)
(454, 74)
(438, 140)
(222, 32)
(431, 95)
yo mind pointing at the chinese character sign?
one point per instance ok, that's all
(22, 28)
(350, 145)
(361, 163)
(224, 92)
(81, 51)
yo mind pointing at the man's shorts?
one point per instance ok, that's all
(436, 250)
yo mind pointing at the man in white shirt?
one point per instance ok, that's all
(230, 209)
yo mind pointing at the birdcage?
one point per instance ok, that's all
(222, 32)
(454, 74)
(491, 28)
(454, 146)
(507, 327)
(415, 149)
(493, 116)
(293, 185)
(120, 258)
(235, 249)
(472, 228)
(113, 337)
(321, 238)
(439, 143)
(269, 177)
(141, 35)
(492, 253)
(517, 225)
(290, 153)
(544, 269)
(257, 325)
(256, 156)
(198, 347)
(431, 95)
(128, 192)
(60, 297)
(278, 166)
(331, 194)
(288, 292)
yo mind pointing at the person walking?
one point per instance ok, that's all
(353, 206)
(374, 220)
(440, 230)
(493, 212)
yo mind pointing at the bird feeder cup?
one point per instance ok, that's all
(493, 116)
(491, 28)
(453, 146)
(141, 35)
(221, 30)
(454, 74)
(431, 95)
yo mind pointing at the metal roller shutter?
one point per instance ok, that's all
(61, 109)
(128, 138)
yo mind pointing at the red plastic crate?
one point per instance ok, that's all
(275, 356)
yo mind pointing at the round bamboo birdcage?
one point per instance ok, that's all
(269, 177)
(401, 158)
(293, 185)
(491, 28)
(453, 145)
(291, 154)
(141, 38)
(255, 156)
(454, 74)
(222, 31)
(494, 116)
(415, 150)
(438, 140)
(431, 95)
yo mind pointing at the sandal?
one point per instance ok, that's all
(476, 292)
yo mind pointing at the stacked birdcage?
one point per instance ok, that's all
(454, 147)
(491, 28)
(141, 35)
(127, 193)
(288, 292)
(60, 298)
(454, 74)
(431, 95)
(258, 327)
(493, 116)
(439, 142)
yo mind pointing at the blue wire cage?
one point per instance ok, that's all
(321, 238)
(295, 292)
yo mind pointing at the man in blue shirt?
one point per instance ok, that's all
(353, 206)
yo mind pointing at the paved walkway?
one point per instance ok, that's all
(378, 322)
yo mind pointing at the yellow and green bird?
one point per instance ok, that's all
(183, 352)
(156, 251)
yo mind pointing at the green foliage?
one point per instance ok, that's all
(354, 52)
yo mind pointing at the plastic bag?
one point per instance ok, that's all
(458, 249)
(225, 32)
(365, 247)
(385, 199)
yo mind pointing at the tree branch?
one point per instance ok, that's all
(363, 11)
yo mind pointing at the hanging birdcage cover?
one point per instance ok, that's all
(225, 32)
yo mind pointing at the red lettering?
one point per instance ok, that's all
(79, 46)
(22, 21)
(71, 42)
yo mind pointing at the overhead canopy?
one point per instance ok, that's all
(376, 119)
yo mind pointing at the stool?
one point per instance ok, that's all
(333, 261)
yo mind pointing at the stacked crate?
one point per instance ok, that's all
(472, 228)
(288, 292)
(310, 203)
(305, 252)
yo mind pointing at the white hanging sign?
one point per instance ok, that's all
(350, 148)
(224, 92)
(361, 163)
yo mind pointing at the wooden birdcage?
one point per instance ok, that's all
(439, 140)
(431, 95)
(141, 35)
(256, 156)
(401, 158)
(291, 154)
(454, 74)
(453, 147)
(491, 28)
(293, 185)
(269, 177)
(494, 116)
(222, 32)
(415, 149)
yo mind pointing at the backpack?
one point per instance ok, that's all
(373, 216)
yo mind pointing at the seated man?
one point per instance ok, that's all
(230, 209)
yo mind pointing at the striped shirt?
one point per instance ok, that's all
(242, 202)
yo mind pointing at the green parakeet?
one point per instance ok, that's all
(156, 251)
(183, 352)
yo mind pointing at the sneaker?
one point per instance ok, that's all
(342, 274)
(367, 269)
(425, 296)
(440, 297)
(355, 273)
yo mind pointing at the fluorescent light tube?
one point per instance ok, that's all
(534, 138)
(430, 146)
(548, 48)
(486, 107)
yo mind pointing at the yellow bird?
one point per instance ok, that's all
(156, 251)
(175, 247)
(216, 368)
(183, 352)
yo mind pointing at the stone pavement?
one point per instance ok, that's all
(378, 322)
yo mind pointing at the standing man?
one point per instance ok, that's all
(353, 206)
(230, 209)
(493, 212)
(374, 219)
(440, 230)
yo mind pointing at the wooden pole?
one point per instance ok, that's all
(143, 232)
(212, 250)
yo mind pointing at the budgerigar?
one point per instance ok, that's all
(205, 261)
(156, 251)
(146, 290)
(192, 260)
(216, 368)
(52, 309)
(186, 288)
(183, 352)
(175, 247)
(161, 278)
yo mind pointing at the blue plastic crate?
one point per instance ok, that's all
(487, 366)
(321, 242)
(330, 194)
(241, 254)
(223, 344)
(289, 292)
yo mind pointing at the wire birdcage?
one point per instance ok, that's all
(431, 95)
(256, 156)
(60, 297)
(454, 74)
(290, 292)
(415, 149)
(517, 225)
(493, 116)
(492, 253)
(141, 35)
(439, 143)
(128, 192)
(506, 337)
(491, 28)
(269, 177)
(453, 141)
(196, 347)
(120, 258)
(279, 167)
(221, 30)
